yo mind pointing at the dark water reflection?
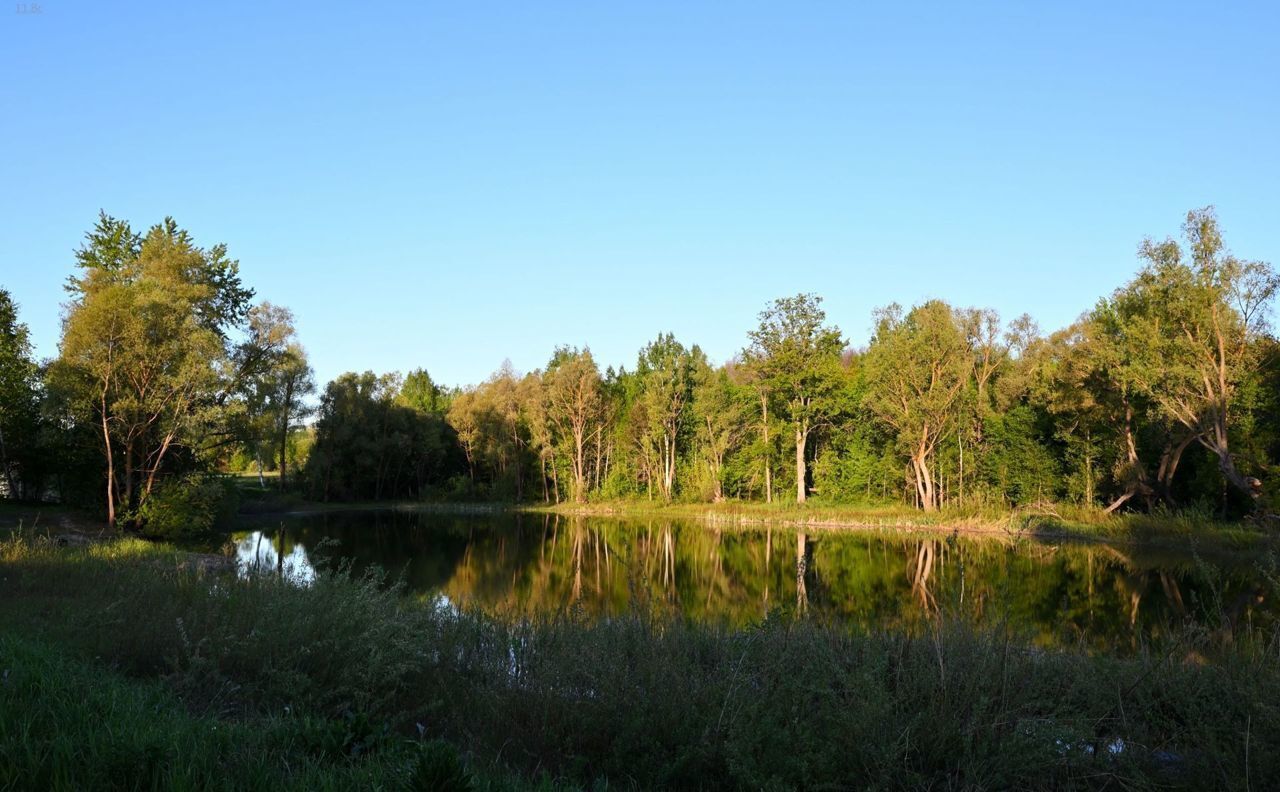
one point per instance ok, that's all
(1095, 595)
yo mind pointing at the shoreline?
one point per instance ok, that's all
(1070, 524)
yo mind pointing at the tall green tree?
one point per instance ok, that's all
(19, 402)
(421, 393)
(665, 370)
(146, 336)
(576, 411)
(795, 358)
(1063, 375)
(370, 446)
(509, 431)
(278, 379)
(722, 414)
(1191, 318)
(917, 368)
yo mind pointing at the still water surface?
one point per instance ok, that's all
(1095, 595)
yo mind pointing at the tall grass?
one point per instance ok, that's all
(637, 701)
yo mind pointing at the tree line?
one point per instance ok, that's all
(945, 406)
(1163, 393)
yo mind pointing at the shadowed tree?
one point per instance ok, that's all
(19, 401)
(279, 381)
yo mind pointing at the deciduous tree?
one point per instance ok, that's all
(795, 358)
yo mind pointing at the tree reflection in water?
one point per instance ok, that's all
(1093, 594)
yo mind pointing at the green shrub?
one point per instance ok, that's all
(440, 769)
(187, 507)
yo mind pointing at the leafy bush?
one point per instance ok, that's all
(190, 506)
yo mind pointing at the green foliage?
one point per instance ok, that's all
(440, 769)
(858, 465)
(1019, 464)
(145, 353)
(918, 367)
(1155, 397)
(276, 381)
(66, 723)
(22, 456)
(369, 446)
(421, 393)
(665, 372)
(192, 506)
(794, 361)
(575, 410)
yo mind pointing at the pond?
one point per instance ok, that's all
(1094, 595)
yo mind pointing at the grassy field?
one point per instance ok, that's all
(125, 667)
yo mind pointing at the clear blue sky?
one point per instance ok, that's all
(451, 184)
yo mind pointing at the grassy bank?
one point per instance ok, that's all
(68, 723)
(1051, 522)
(125, 650)
(1054, 521)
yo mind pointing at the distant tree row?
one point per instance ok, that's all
(1165, 392)
(945, 406)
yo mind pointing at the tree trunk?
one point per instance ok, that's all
(599, 466)
(579, 466)
(1088, 469)
(930, 494)
(1118, 502)
(111, 471)
(8, 471)
(716, 463)
(764, 423)
(924, 483)
(1169, 460)
(127, 497)
(1216, 442)
(1138, 474)
(286, 408)
(801, 437)
(668, 466)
